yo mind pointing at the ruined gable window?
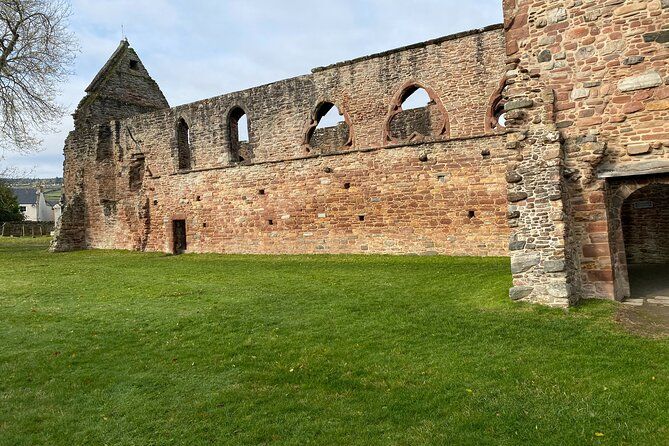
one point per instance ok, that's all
(136, 173)
(183, 145)
(415, 115)
(104, 145)
(134, 65)
(328, 129)
(239, 130)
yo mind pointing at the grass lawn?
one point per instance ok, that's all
(123, 348)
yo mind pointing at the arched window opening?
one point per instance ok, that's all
(417, 98)
(416, 115)
(496, 115)
(240, 141)
(183, 145)
(328, 130)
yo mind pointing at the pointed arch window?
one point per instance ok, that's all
(328, 129)
(416, 113)
(496, 115)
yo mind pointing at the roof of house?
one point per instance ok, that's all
(25, 195)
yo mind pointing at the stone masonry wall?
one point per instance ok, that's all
(443, 192)
(591, 77)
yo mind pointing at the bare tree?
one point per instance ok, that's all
(36, 53)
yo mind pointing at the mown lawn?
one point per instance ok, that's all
(121, 348)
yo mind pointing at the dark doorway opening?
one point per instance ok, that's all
(645, 223)
(179, 236)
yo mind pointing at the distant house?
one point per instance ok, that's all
(34, 206)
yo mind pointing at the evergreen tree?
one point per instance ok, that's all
(9, 205)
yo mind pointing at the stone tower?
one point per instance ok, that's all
(122, 88)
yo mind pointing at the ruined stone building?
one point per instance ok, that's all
(545, 138)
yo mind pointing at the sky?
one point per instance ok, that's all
(197, 49)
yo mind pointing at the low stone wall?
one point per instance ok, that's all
(26, 229)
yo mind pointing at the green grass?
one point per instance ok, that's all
(122, 348)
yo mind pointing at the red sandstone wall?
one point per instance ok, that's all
(443, 194)
(315, 204)
(606, 65)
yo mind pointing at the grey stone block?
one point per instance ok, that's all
(523, 262)
(518, 292)
(649, 79)
(554, 266)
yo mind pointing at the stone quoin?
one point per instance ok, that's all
(545, 138)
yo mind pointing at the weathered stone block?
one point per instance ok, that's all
(556, 15)
(558, 289)
(659, 36)
(523, 262)
(516, 245)
(513, 177)
(554, 266)
(579, 93)
(638, 149)
(518, 103)
(544, 56)
(633, 60)
(658, 105)
(649, 79)
(630, 8)
(520, 292)
(517, 196)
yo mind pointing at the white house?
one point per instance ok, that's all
(33, 205)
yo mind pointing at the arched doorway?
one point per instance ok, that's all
(644, 218)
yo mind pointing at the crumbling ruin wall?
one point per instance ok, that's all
(587, 99)
(354, 188)
(584, 89)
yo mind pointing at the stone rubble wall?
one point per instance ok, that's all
(595, 71)
(440, 193)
